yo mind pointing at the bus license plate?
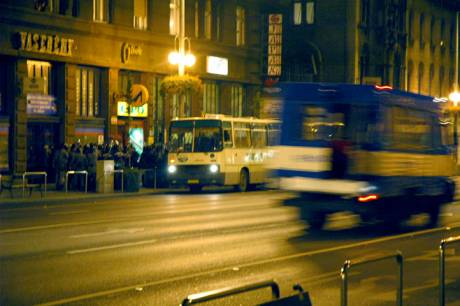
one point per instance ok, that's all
(193, 181)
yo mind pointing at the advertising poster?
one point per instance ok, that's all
(4, 157)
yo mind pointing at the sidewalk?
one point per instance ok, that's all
(55, 197)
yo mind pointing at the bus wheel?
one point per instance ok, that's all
(244, 181)
(195, 188)
(316, 220)
(433, 213)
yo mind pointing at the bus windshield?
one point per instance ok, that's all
(196, 136)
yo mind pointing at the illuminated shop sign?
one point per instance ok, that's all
(275, 41)
(217, 65)
(135, 111)
(44, 43)
(128, 50)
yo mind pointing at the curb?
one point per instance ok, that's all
(72, 198)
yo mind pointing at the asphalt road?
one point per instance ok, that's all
(157, 249)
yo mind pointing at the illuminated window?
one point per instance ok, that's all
(208, 19)
(100, 9)
(211, 97)
(240, 26)
(297, 13)
(237, 100)
(197, 18)
(40, 72)
(140, 14)
(87, 91)
(174, 16)
(310, 12)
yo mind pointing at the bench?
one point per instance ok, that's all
(19, 182)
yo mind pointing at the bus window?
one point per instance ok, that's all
(409, 129)
(259, 136)
(242, 135)
(273, 131)
(227, 129)
(320, 124)
(181, 136)
(208, 136)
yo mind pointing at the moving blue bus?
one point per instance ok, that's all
(381, 153)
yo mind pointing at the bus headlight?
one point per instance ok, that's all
(213, 168)
(172, 168)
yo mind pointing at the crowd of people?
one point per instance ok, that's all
(78, 157)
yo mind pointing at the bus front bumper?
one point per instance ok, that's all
(195, 175)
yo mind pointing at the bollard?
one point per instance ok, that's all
(26, 174)
(442, 268)
(348, 264)
(76, 172)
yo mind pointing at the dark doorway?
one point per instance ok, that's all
(39, 135)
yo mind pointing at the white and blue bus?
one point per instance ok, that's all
(371, 150)
(220, 150)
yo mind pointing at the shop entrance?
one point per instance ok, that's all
(39, 135)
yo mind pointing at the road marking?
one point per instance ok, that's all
(110, 232)
(113, 246)
(68, 212)
(242, 266)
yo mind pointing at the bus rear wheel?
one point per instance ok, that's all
(243, 185)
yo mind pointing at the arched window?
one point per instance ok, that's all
(411, 27)
(430, 83)
(420, 77)
(443, 35)
(432, 38)
(421, 31)
(410, 72)
(441, 80)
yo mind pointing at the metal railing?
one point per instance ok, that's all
(442, 267)
(27, 174)
(349, 263)
(76, 173)
(220, 293)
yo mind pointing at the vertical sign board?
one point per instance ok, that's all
(275, 41)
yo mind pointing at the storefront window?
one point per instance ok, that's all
(41, 74)
(87, 90)
(140, 14)
(211, 97)
(237, 100)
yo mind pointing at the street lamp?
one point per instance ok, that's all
(180, 56)
(455, 95)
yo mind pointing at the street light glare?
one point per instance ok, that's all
(190, 60)
(174, 57)
(455, 97)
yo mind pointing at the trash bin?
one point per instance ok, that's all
(104, 176)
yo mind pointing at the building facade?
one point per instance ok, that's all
(408, 44)
(66, 65)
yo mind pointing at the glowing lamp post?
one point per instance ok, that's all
(455, 95)
(180, 56)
